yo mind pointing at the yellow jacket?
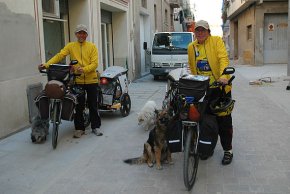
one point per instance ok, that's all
(86, 54)
(216, 55)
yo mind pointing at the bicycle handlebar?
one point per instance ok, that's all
(217, 83)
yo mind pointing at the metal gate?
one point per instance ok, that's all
(275, 38)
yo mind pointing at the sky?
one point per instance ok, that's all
(209, 10)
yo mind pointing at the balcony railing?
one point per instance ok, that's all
(174, 3)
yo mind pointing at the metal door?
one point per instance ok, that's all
(275, 38)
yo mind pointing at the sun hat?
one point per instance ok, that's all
(202, 23)
(81, 27)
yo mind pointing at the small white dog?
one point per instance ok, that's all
(147, 115)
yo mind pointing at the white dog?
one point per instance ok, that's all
(147, 115)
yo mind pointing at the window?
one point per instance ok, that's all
(249, 32)
(50, 8)
(144, 3)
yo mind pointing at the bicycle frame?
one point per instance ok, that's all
(55, 117)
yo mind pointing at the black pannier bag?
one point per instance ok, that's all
(208, 135)
(69, 102)
(174, 135)
(193, 85)
(42, 103)
(58, 72)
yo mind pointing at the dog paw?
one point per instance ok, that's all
(171, 162)
(150, 165)
(159, 167)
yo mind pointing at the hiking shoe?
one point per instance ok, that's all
(78, 133)
(97, 132)
(228, 157)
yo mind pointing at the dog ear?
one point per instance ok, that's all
(156, 111)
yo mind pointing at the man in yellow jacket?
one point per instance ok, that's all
(207, 56)
(86, 54)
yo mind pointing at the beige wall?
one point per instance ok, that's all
(251, 51)
(245, 47)
(162, 25)
(20, 54)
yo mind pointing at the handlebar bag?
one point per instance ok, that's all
(69, 102)
(194, 86)
(55, 89)
(58, 72)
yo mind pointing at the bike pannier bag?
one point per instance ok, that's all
(193, 85)
(58, 72)
(42, 103)
(69, 102)
(208, 135)
(174, 135)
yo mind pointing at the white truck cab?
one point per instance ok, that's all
(169, 51)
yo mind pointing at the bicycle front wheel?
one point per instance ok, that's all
(191, 159)
(55, 125)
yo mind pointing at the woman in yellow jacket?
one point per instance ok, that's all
(207, 56)
(86, 54)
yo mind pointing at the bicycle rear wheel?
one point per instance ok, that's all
(54, 134)
(191, 159)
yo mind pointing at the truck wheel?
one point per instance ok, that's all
(156, 77)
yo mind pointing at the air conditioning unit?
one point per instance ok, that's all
(50, 8)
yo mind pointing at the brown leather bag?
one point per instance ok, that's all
(55, 89)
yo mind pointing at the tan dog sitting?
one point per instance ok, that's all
(156, 147)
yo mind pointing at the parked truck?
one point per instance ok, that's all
(168, 52)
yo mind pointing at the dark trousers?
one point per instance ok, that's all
(92, 91)
(225, 123)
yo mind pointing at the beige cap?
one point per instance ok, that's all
(202, 23)
(81, 27)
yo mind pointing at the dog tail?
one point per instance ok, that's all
(138, 160)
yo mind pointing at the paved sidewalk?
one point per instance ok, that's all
(91, 164)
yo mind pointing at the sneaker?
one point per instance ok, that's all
(78, 133)
(97, 132)
(228, 157)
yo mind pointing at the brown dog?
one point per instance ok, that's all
(156, 147)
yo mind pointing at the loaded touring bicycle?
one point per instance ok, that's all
(187, 96)
(58, 99)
